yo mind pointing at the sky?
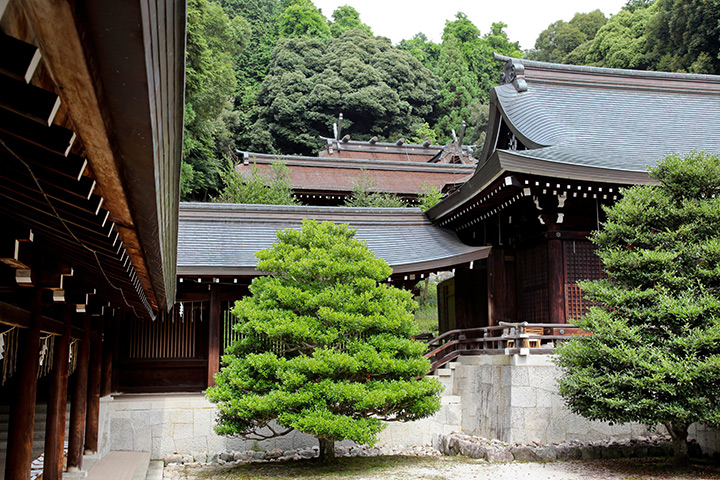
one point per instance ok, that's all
(402, 19)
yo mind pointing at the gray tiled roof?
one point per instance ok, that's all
(612, 119)
(221, 239)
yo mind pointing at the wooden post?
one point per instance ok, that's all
(107, 358)
(214, 335)
(57, 403)
(78, 403)
(556, 277)
(93, 392)
(22, 411)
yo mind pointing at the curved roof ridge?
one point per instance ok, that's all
(535, 64)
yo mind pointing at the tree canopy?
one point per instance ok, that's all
(378, 88)
(325, 348)
(654, 353)
(664, 35)
(213, 41)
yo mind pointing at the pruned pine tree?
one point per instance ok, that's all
(654, 353)
(326, 348)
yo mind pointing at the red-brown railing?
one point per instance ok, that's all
(502, 339)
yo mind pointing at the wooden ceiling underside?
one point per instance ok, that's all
(48, 189)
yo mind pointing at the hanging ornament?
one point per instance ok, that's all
(43, 350)
(2, 345)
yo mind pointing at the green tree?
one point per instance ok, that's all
(622, 42)
(302, 18)
(256, 188)
(252, 63)
(426, 51)
(684, 36)
(429, 196)
(561, 40)
(213, 40)
(381, 91)
(325, 347)
(347, 18)
(365, 194)
(654, 353)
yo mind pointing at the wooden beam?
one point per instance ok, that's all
(78, 407)
(22, 410)
(57, 403)
(28, 100)
(19, 59)
(61, 43)
(53, 138)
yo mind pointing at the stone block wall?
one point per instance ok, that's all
(163, 424)
(514, 398)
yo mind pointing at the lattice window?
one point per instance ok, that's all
(170, 336)
(581, 263)
(533, 274)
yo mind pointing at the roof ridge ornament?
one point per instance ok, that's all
(514, 73)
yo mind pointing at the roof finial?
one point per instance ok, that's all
(514, 73)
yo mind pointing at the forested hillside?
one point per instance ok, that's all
(273, 75)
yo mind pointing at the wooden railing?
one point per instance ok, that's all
(502, 339)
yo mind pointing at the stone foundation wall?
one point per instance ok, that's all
(514, 398)
(510, 398)
(163, 424)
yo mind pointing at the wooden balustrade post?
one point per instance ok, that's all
(57, 403)
(22, 411)
(79, 403)
(214, 335)
(93, 392)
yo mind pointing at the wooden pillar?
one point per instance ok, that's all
(214, 335)
(22, 411)
(107, 358)
(117, 325)
(57, 403)
(93, 392)
(79, 403)
(556, 277)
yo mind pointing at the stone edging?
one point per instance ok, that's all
(654, 445)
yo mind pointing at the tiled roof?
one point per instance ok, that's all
(589, 124)
(338, 175)
(609, 118)
(221, 239)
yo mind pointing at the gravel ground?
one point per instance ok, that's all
(447, 468)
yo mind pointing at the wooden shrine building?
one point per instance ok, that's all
(91, 111)
(329, 181)
(562, 142)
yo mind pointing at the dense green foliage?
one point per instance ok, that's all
(665, 35)
(273, 75)
(654, 353)
(563, 39)
(256, 188)
(429, 196)
(377, 87)
(213, 41)
(325, 347)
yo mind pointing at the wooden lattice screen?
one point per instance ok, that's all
(170, 336)
(533, 274)
(581, 263)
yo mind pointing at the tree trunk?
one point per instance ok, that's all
(327, 449)
(678, 433)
